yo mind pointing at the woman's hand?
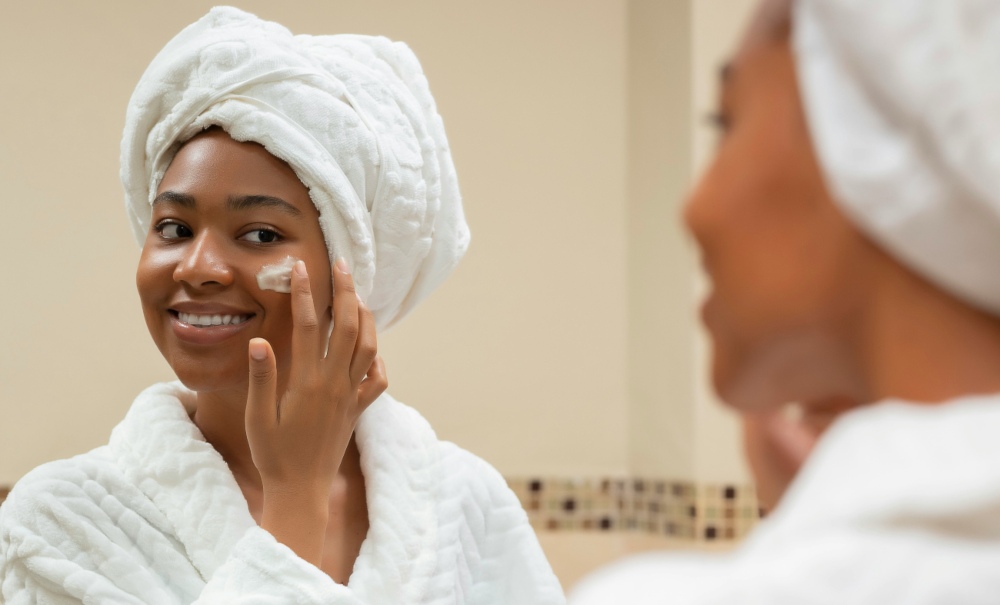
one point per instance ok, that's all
(777, 445)
(298, 443)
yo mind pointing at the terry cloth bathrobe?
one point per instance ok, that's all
(898, 503)
(156, 518)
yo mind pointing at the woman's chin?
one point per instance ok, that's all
(740, 387)
(206, 380)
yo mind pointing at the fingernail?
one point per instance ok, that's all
(341, 265)
(300, 268)
(258, 350)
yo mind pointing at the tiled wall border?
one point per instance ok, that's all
(681, 509)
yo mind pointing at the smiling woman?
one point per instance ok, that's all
(275, 469)
(222, 212)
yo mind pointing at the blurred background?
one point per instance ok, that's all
(565, 349)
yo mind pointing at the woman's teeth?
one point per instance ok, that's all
(212, 320)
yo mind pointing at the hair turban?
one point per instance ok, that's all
(352, 115)
(903, 103)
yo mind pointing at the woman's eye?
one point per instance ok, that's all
(261, 236)
(719, 121)
(173, 230)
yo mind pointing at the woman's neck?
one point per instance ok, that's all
(923, 345)
(220, 416)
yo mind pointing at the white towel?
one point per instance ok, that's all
(352, 115)
(903, 102)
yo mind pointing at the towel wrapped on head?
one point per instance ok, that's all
(352, 115)
(903, 103)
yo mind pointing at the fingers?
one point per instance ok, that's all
(346, 323)
(374, 385)
(779, 442)
(262, 409)
(306, 335)
(366, 347)
(790, 440)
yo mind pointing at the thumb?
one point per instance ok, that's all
(792, 440)
(262, 409)
(776, 448)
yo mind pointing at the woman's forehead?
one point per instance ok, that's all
(212, 164)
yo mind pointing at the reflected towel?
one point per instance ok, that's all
(352, 115)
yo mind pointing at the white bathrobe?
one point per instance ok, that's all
(899, 504)
(156, 517)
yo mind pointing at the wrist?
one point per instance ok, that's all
(298, 519)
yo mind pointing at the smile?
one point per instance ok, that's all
(212, 320)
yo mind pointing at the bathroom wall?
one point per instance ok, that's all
(687, 487)
(521, 355)
(564, 350)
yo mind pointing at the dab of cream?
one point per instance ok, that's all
(278, 276)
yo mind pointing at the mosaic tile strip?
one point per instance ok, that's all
(679, 509)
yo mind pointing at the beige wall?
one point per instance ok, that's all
(521, 356)
(716, 27)
(566, 342)
(661, 264)
(678, 429)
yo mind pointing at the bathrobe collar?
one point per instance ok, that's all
(876, 465)
(162, 452)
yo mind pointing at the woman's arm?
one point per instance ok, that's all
(298, 443)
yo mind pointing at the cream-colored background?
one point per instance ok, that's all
(566, 342)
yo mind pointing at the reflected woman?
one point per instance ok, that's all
(850, 225)
(276, 470)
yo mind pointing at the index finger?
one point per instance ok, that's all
(306, 338)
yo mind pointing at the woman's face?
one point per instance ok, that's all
(224, 210)
(787, 268)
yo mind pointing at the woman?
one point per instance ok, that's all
(850, 224)
(276, 470)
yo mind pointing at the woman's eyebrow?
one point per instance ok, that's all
(248, 202)
(173, 197)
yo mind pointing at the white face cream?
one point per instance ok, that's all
(278, 276)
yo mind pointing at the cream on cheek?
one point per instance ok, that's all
(277, 276)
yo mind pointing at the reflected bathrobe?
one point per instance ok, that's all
(155, 517)
(898, 504)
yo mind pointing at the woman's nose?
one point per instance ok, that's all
(203, 263)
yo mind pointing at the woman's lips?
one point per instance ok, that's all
(192, 328)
